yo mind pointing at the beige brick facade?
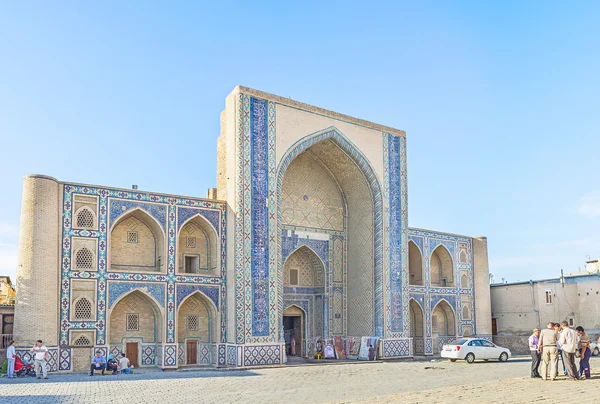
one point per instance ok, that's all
(36, 312)
(149, 328)
(140, 255)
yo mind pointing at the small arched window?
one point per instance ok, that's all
(465, 313)
(85, 218)
(463, 257)
(84, 258)
(464, 281)
(82, 341)
(83, 309)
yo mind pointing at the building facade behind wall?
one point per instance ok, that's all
(311, 222)
(518, 308)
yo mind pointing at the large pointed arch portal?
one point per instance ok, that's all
(330, 153)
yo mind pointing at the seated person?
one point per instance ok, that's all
(98, 363)
(112, 364)
(124, 364)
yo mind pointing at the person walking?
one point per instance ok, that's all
(584, 353)
(41, 353)
(11, 355)
(547, 346)
(534, 340)
(560, 352)
(568, 342)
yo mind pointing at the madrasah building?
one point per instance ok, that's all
(305, 236)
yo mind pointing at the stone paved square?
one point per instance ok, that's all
(388, 382)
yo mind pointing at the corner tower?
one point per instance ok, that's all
(36, 310)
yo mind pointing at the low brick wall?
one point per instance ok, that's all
(518, 344)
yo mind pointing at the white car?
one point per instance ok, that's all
(471, 349)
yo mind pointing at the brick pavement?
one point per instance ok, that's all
(390, 382)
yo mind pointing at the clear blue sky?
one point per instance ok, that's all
(500, 102)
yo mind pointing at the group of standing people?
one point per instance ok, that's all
(559, 341)
(40, 355)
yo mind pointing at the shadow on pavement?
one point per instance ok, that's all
(157, 375)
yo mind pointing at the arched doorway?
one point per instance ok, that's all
(326, 184)
(441, 267)
(137, 243)
(415, 264)
(303, 282)
(135, 328)
(293, 329)
(196, 329)
(443, 325)
(417, 327)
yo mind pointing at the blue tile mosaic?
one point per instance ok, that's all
(116, 290)
(119, 208)
(259, 213)
(183, 291)
(213, 216)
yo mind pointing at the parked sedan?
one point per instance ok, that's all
(471, 349)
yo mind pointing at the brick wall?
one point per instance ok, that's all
(149, 326)
(133, 256)
(194, 305)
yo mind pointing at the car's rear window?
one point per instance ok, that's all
(458, 342)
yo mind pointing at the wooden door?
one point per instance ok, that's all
(131, 350)
(494, 327)
(192, 353)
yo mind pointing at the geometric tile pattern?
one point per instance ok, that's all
(64, 362)
(52, 361)
(231, 355)
(184, 291)
(170, 355)
(262, 355)
(204, 354)
(117, 289)
(181, 354)
(222, 360)
(394, 348)
(148, 354)
(259, 216)
(256, 316)
(395, 234)
(311, 197)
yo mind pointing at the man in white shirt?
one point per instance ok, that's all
(11, 355)
(124, 364)
(568, 343)
(41, 353)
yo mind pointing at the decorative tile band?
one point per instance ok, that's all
(259, 211)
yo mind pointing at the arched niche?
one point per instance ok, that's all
(341, 167)
(415, 264)
(137, 243)
(443, 319)
(197, 329)
(441, 267)
(197, 247)
(135, 322)
(303, 268)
